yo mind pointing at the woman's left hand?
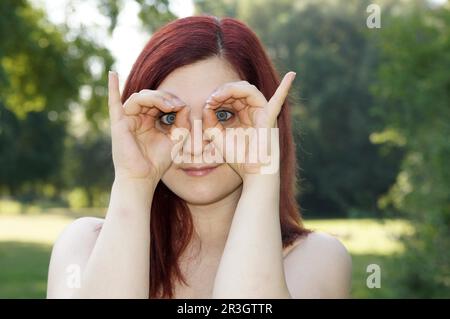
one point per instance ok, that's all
(253, 111)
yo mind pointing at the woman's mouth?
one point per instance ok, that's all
(198, 170)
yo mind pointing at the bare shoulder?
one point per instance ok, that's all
(73, 247)
(318, 242)
(79, 235)
(318, 266)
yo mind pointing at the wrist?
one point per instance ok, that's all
(262, 192)
(135, 191)
(146, 183)
(267, 186)
(263, 179)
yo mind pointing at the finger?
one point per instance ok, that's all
(182, 119)
(114, 103)
(213, 129)
(179, 131)
(172, 98)
(210, 119)
(140, 102)
(277, 100)
(237, 91)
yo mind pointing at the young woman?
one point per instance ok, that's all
(196, 229)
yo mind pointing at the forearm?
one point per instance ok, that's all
(119, 263)
(252, 261)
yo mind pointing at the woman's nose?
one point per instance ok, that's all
(195, 144)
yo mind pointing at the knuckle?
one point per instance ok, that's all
(161, 96)
(165, 94)
(228, 86)
(133, 96)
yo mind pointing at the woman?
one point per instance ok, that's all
(197, 229)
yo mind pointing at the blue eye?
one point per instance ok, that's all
(223, 115)
(168, 118)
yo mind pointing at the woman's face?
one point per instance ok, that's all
(198, 182)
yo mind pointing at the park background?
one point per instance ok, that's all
(371, 112)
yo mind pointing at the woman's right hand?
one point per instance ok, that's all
(141, 142)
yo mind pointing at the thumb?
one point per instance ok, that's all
(214, 130)
(276, 102)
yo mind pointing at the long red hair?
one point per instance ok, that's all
(182, 42)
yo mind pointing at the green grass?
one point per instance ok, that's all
(26, 239)
(365, 236)
(23, 269)
(359, 276)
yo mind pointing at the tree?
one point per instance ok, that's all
(41, 72)
(413, 92)
(88, 165)
(44, 68)
(31, 148)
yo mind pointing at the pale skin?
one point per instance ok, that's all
(235, 213)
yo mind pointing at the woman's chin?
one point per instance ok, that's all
(203, 189)
(203, 194)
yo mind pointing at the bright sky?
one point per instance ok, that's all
(128, 38)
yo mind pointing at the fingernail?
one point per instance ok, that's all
(293, 76)
(177, 102)
(168, 103)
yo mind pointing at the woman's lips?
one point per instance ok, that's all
(198, 171)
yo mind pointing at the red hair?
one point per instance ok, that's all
(182, 42)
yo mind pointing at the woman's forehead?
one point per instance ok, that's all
(195, 82)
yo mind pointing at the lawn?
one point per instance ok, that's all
(26, 239)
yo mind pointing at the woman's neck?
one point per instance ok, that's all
(212, 222)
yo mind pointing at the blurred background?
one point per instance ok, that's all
(371, 112)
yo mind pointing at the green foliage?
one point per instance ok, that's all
(88, 166)
(42, 69)
(35, 65)
(30, 149)
(153, 14)
(223, 8)
(414, 101)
